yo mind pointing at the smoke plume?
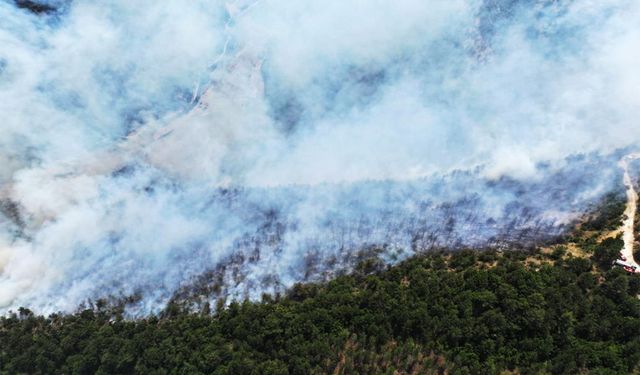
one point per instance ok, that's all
(225, 149)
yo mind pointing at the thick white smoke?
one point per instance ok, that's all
(146, 144)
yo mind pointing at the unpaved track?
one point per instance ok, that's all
(630, 212)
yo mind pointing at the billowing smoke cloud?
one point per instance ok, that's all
(212, 148)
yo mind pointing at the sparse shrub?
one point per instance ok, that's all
(558, 252)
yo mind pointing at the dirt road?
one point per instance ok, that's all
(630, 212)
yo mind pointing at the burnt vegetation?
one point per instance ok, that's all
(36, 7)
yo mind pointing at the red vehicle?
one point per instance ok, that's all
(629, 269)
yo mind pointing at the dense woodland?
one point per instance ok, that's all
(466, 312)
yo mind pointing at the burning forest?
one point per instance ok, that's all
(222, 150)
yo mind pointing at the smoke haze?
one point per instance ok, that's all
(151, 147)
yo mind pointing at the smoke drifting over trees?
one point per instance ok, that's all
(144, 145)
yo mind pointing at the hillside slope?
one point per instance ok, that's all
(546, 311)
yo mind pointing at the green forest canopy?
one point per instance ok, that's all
(465, 312)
